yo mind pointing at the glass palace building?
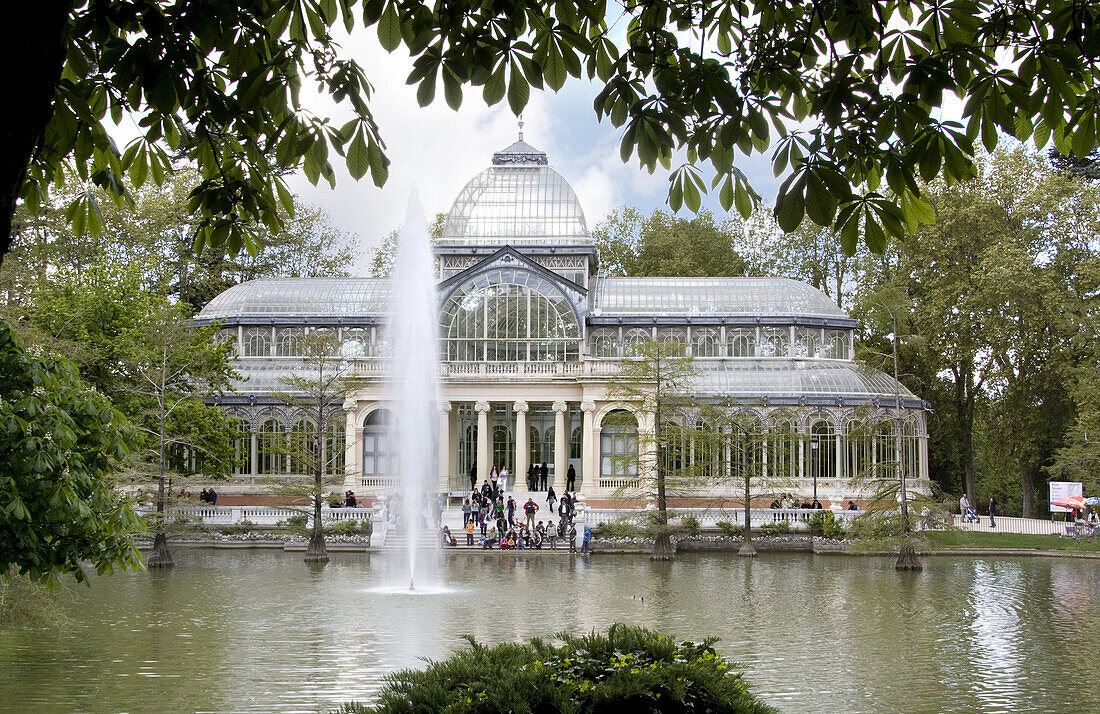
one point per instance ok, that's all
(530, 334)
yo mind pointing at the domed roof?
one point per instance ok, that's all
(518, 200)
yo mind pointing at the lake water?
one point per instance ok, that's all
(258, 631)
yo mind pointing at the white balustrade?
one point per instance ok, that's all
(261, 515)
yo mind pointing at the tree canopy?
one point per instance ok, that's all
(847, 96)
(667, 245)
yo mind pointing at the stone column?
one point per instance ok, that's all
(351, 461)
(523, 446)
(483, 466)
(589, 475)
(452, 449)
(647, 446)
(561, 446)
(444, 447)
(254, 452)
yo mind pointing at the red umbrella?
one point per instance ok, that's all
(1073, 502)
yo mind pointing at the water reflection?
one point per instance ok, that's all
(257, 631)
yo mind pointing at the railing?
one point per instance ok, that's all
(709, 517)
(261, 515)
(1010, 524)
(380, 367)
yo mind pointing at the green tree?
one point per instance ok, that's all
(218, 83)
(656, 379)
(667, 245)
(318, 390)
(813, 255)
(169, 367)
(60, 443)
(384, 255)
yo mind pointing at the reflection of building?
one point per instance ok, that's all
(530, 333)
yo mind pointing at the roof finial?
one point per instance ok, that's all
(521, 127)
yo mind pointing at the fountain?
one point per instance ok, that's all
(413, 325)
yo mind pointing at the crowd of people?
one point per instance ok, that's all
(538, 478)
(493, 520)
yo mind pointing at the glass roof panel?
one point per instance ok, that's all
(520, 203)
(335, 297)
(793, 378)
(712, 296)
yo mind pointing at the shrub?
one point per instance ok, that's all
(826, 525)
(241, 528)
(776, 528)
(628, 669)
(297, 523)
(350, 527)
(690, 525)
(731, 531)
(615, 529)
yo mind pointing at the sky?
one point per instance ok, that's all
(436, 150)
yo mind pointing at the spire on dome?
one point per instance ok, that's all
(520, 153)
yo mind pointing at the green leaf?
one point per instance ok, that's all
(518, 90)
(452, 89)
(389, 28)
(358, 159)
(495, 87)
(553, 68)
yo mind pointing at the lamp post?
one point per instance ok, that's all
(813, 461)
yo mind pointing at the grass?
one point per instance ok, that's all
(949, 540)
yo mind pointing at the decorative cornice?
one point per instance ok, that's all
(482, 407)
(520, 407)
(561, 407)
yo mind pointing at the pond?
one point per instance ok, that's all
(258, 631)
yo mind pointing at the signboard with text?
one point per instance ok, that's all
(1064, 489)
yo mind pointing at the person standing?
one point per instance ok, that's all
(503, 478)
(473, 476)
(532, 474)
(571, 479)
(470, 532)
(511, 512)
(550, 498)
(493, 480)
(543, 473)
(466, 511)
(992, 511)
(530, 508)
(552, 535)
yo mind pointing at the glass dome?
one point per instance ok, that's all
(520, 199)
(794, 378)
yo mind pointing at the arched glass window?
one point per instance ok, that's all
(605, 342)
(704, 342)
(242, 448)
(859, 441)
(673, 444)
(822, 450)
(286, 341)
(257, 342)
(575, 443)
(379, 444)
(509, 315)
(467, 450)
(504, 447)
(747, 442)
(335, 445)
(808, 342)
(354, 341)
(910, 447)
(634, 338)
(783, 450)
(707, 448)
(836, 344)
(548, 441)
(886, 457)
(672, 335)
(271, 447)
(741, 342)
(775, 342)
(228, 336)
(303, 446)
(619, 445)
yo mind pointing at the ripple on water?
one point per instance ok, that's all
(257, 632)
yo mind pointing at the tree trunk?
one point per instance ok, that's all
(662, 546)
(907, 557)
(748, 550)
(964, 405)
(316, 551)
(37, 48)
(161, 557)
(1027, 484)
